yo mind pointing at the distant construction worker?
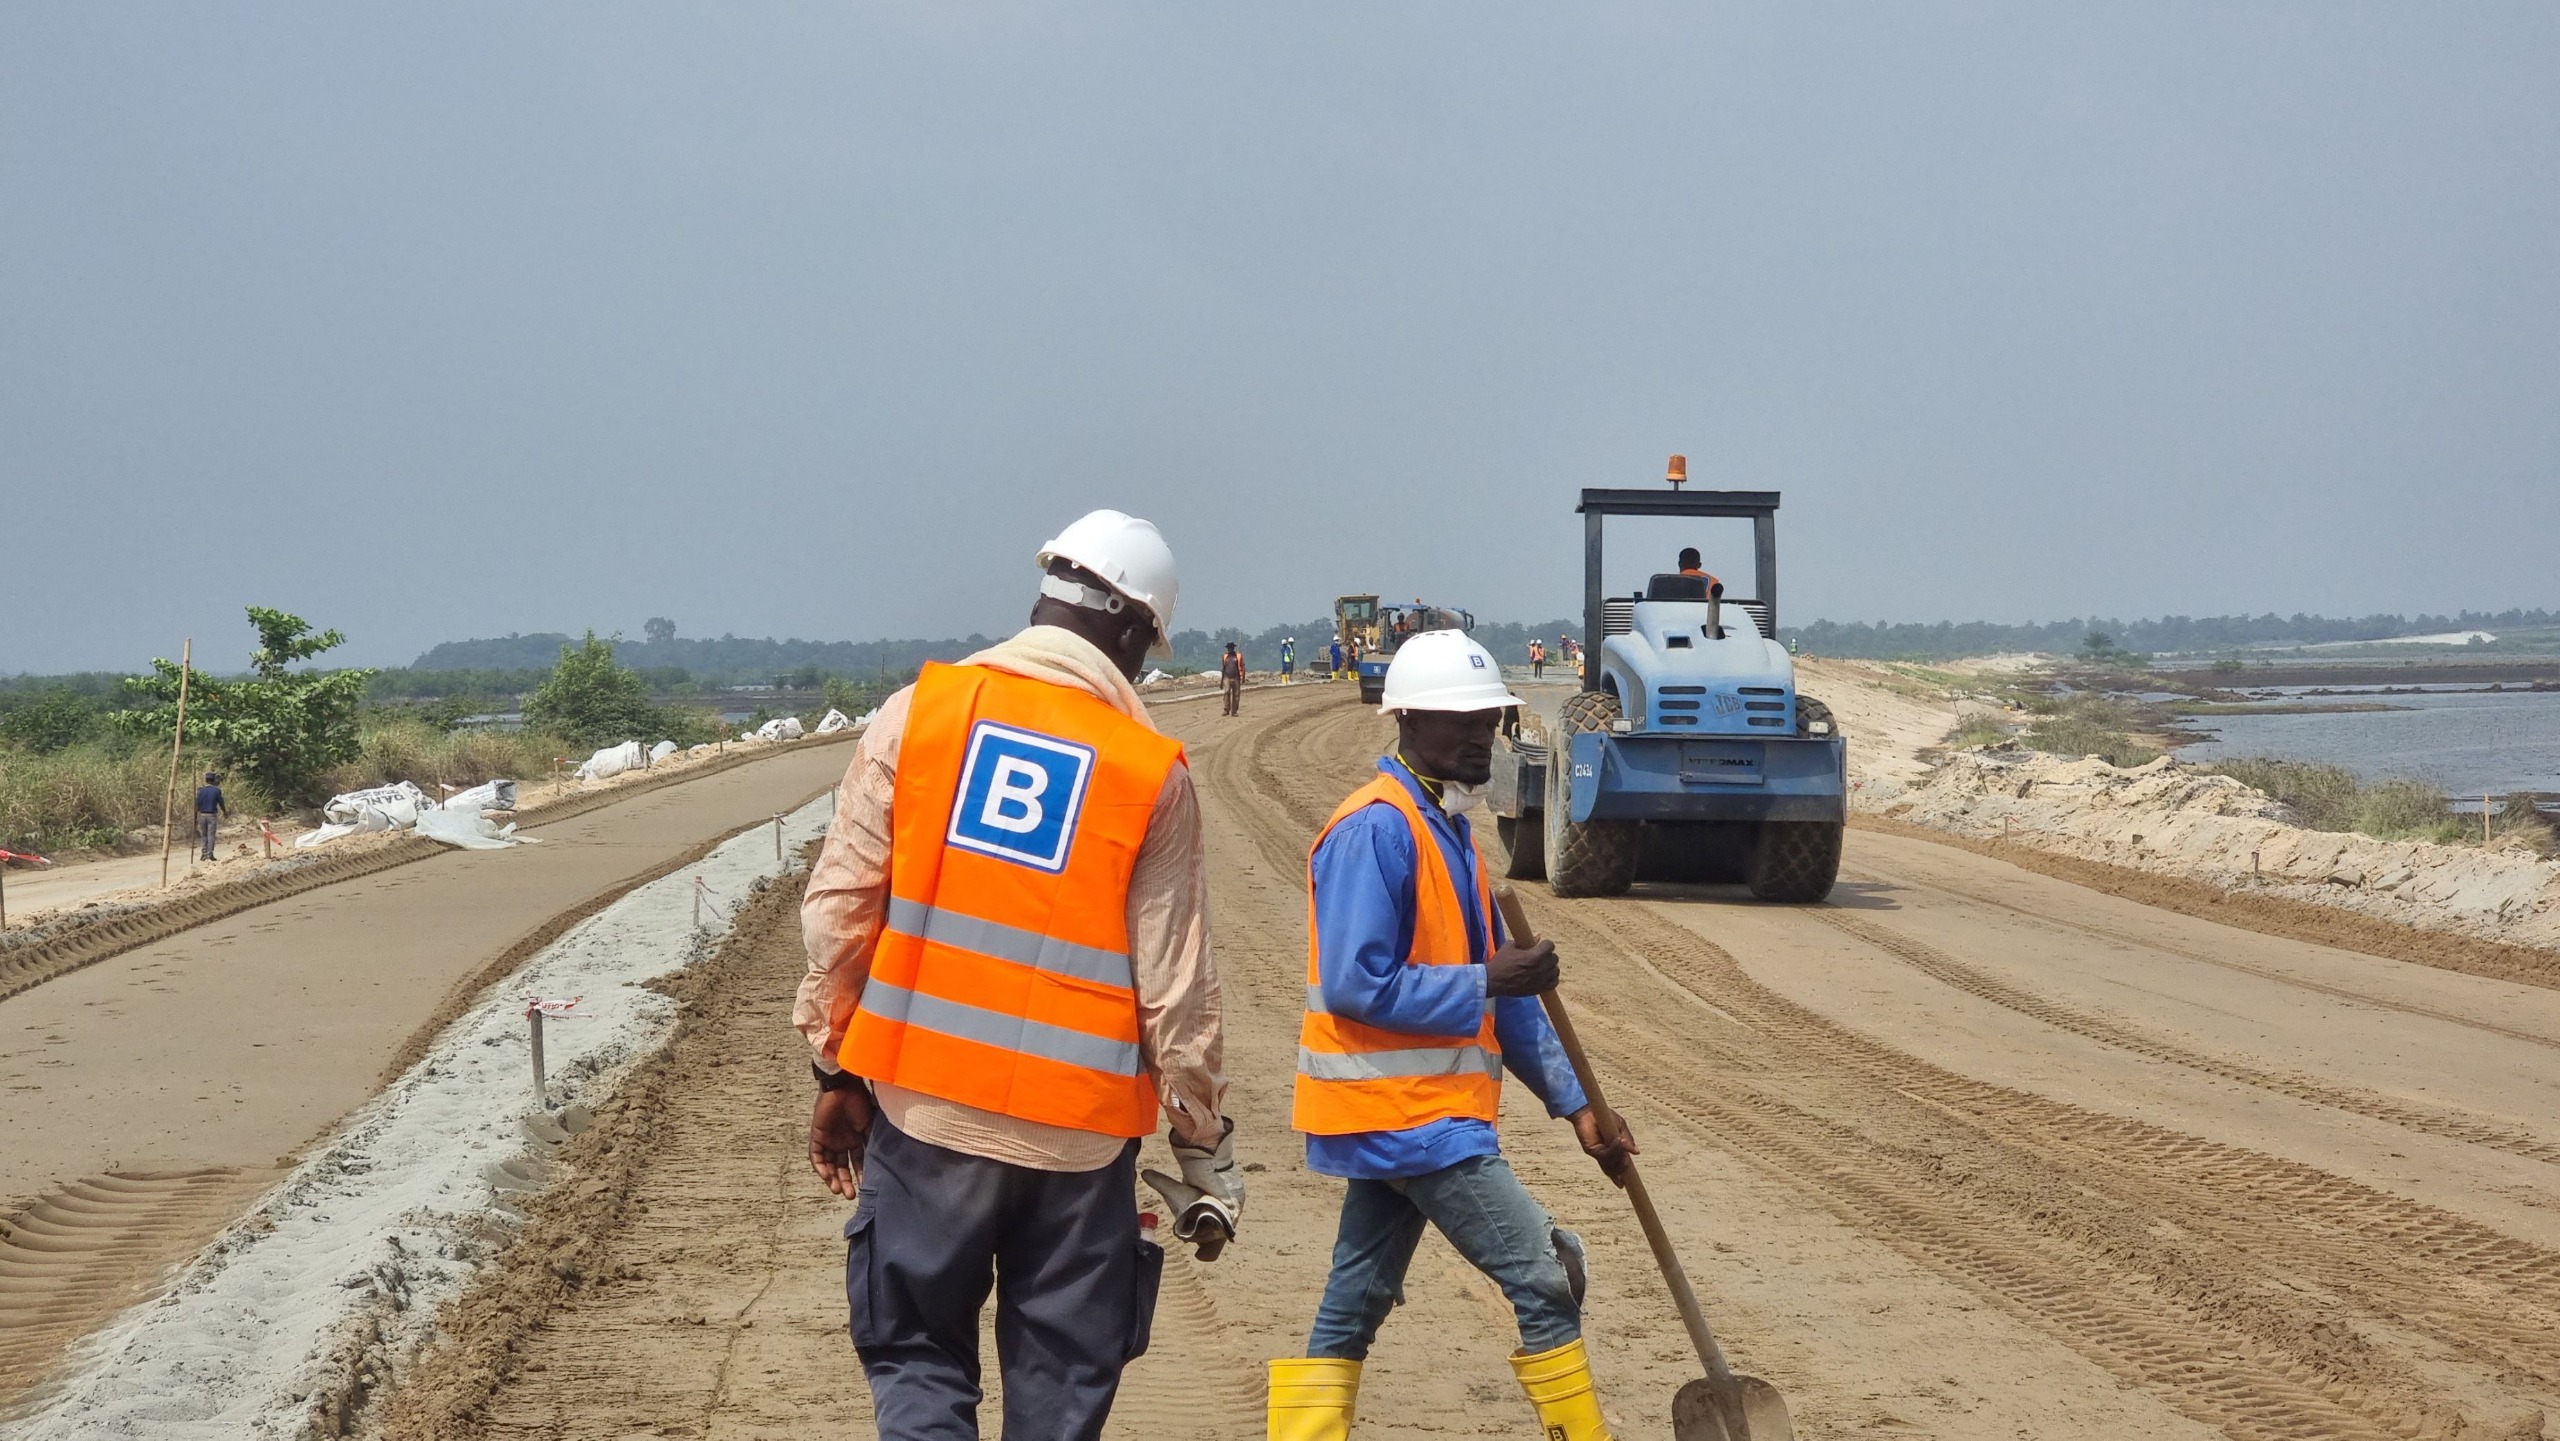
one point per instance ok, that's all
(1333, 659)
(1537, 659)
(1288, 659)
(1231, 675)
(1009, 978)
(1691, 563)
(210, 809)
(1415, 1004)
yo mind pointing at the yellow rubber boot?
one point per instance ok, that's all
(1312, 1399)
(1559, 1385)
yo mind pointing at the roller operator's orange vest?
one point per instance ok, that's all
(1354, 1077)
(1001, 979)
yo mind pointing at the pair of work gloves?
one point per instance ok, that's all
(1207, 1199)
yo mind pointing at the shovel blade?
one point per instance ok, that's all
(1750, 1410)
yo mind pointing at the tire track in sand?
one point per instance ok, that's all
(2111, 935)
(90, 1248)
(1946, 969)
(2296, 1272)
(2239, 1287)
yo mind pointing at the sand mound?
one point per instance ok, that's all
(2172, 818)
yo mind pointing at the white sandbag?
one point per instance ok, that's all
(321, 836)
(497, 795)
(611, 761)
(867, 717)
(661, 751)
(382, 808)
(833, 721)
(469, 830)
(695, 750)
(780, 728)
(1153, 677)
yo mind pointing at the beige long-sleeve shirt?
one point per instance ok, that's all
(1180, 1033)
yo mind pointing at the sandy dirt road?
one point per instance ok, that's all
(147, 1098)
(1971, 1152)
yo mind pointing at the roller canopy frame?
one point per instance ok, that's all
(1760, 507)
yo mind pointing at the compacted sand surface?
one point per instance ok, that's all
(1969, 1152)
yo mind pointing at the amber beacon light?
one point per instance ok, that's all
(1677, 472)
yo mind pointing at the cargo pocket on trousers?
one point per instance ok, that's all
(1142, 1312)
(860, 1293)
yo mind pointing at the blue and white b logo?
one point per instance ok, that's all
(1020, 794)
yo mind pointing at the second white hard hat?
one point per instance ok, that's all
(1444, 670)
(1129, 555)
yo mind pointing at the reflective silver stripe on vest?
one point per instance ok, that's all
(995, 1028)
(1010, 943)
(1390, 1065)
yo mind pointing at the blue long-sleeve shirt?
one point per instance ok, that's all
(1364, 877)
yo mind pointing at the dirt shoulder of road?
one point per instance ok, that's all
(55, 942)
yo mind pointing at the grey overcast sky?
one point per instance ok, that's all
(435, 321)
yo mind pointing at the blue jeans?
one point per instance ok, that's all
(1492, 1221)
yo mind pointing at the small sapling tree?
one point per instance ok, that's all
(279, 728)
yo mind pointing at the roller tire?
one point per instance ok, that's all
(1524, 846)
(1373, 694)
(1592, 858)
(1794, 862)
(1809, 710)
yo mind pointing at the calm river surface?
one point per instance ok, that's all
(2465, 743)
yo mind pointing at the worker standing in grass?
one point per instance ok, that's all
(1009, 978)
(210, 809)
(1231, 676)
(1415, 1003)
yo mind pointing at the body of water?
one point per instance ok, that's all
(2464, 742)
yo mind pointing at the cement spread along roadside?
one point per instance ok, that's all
(238, 1042)
(380, 1225)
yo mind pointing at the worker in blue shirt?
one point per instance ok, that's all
(210, 809)
(1416, 1003)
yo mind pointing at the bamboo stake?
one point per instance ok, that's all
(177, 745)
(2484, 818)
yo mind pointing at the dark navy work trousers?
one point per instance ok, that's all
(1075, 1289)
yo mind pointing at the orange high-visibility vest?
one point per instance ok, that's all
(1002, 977)
(1354, 1077)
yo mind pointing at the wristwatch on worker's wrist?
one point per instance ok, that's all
(835, 1080)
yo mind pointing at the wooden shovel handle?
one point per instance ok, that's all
(1675, 1276)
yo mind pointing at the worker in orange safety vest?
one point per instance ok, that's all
(1008, 982)
(1416, 1003)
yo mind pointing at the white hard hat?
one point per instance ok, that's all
(1444, 670)
(1129, 555)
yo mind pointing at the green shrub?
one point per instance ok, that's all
(2089, 725)
(279, 728)
(1978, 730)
(590, 700)
(50, 720)
(2330, 798)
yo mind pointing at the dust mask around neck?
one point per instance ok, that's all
(1458, 799)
